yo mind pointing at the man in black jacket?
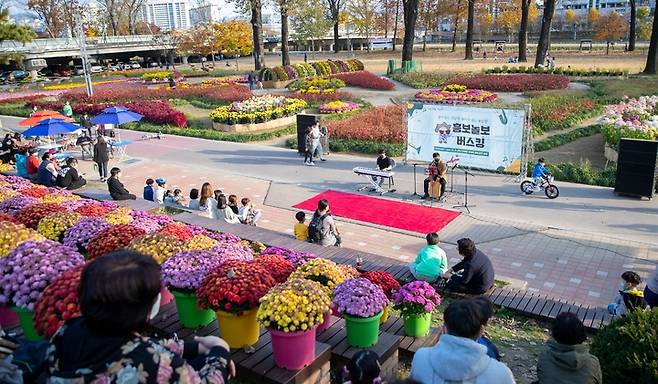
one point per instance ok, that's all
(116, 188)
(68, 176)
(477, 272)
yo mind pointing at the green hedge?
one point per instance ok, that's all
(558, 71)
(357, 146)
(564, 138)
(421, 80)
(15, 109)
(584, 174)
(211, 134)
(628, 348)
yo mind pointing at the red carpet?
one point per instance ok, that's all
(407, 216)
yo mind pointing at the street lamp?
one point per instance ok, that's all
(82, 43)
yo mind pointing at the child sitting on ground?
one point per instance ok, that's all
(168, 197)
(630, 297)
(178, 197)
(301, 229)
(194, 199)
(148, 190)
(247, 213)
(364, 368)
(159, 192)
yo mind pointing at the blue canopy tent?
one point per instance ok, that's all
(49, 127)
(116, 116)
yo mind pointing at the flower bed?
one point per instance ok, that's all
(511, 83)
(321, 97)
(455, 94)
(553, 112)
(365, 79)
(316, 85)
(379, 124)
(559, 71)
(212, 92)
(317, 68)
(154, 111)
(257, 109)
(633, 118)
(338, 106)
(156, 75)
(58, 303)
(63, 87)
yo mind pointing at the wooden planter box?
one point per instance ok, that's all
(276, 84)
(268, 125)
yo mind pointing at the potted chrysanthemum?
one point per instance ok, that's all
(361, 304)
(416, 301)
(233, 290)
(58, 303)
(182, 274)
(291, 312)
(26, 272)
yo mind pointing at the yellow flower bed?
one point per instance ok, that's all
(119, 216)
(63, 87)
(58, 199)
(156, 75)
(12, 235)
(200, 242)
(7, 193)
(324, 271)
(157, 245)
(6, 167)
(55, 224)
(258, 109)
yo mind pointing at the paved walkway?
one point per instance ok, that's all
(574, 247)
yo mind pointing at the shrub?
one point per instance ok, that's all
(512, 82)
(380, 124)
(313, 98)
(132, 92)
(628, 347)
(317, 68)
(210, 134)
(584, 174)
(366, 79)
(564, 138)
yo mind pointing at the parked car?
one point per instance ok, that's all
(153, 64)
(13, 76)
(135, 66)
(96, 68)
(78, 70)
(62, 71)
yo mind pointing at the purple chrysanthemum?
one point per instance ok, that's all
(187, 269)
(83, 231)
(359, 297)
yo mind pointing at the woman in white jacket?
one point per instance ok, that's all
(225, 212)
(457, 357)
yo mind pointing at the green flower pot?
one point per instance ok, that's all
(26, 319)
(362, 332)
(189, 313)
(417, 325)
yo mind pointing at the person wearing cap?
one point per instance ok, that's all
(33, 164)
(159, 192)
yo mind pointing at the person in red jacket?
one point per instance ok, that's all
(33, 164)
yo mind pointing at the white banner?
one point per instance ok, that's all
(485, 138)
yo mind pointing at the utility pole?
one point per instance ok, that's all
(82, 43)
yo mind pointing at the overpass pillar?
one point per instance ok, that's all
(184, 59)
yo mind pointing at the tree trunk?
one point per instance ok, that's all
(285, 55)
(395, 25)
(257, 32)
(469, 30)
(455, 26)
(336, 48)
(607, 47)
(425, 39)
(652, 65)
(631, 29)
(523, 31)
(386, 19)
(410, 8)
(544, 35)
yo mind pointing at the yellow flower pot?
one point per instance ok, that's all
(238, 329)
(384, 315)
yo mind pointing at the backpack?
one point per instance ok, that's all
(315, 229)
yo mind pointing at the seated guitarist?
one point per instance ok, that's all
(436, 171)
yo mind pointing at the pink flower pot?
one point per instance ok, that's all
(325, 324)
(334, 311)
(293, 350)
(8, 318)
(166, 298)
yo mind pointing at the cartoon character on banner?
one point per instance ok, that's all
(444, 130)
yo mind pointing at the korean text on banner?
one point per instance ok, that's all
(484, 138)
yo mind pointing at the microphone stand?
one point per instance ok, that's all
(465, 205)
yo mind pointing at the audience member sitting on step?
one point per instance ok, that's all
(149, 190)
(47, 172)
(565, 359)
(431, 262)
(301, 229)
(68, 176)
(194, 199)
(477, 272)
(178, 197)
(363, 368)
(233, 203)
(206, 202)
(457, 357)
(629, 297)
(247, 213)
(225, 212)
(119, 294)
(116, 188)
(160, 191)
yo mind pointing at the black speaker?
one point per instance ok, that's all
(636, 167)
(303, 122)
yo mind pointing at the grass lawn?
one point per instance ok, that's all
(613, 90)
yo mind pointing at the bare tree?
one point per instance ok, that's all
(469, 30)
(631, 30)
(132, 9)
(410, 8)
(652, 57)
(113, 10)
(545, 34)
(523, 31)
